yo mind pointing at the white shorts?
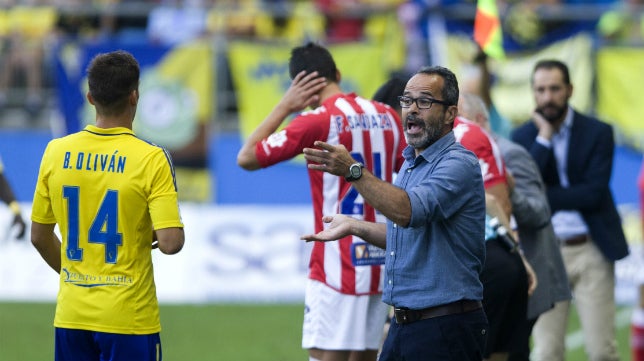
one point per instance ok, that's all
(336, 321)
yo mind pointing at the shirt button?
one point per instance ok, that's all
(392, 253)
(409, 170)
(389, 281)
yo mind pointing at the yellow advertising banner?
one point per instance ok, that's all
(260, 75)
(620, 76)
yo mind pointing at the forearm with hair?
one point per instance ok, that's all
(374, 233)
(390, 200)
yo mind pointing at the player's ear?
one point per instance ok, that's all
(89, 98)
(134, 97)
(452, 112)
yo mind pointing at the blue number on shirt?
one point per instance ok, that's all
(74, 253)
(109, 235)
(349, 204)
(104, 227)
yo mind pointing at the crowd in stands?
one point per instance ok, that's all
(30, 30)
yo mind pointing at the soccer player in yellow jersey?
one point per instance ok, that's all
(114, 198)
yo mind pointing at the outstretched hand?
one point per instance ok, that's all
(339, 227)
(334, 159)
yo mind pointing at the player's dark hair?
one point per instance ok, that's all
(552, 64)
(111, 78)
(450, 91)
(389, 92)
(312, 57)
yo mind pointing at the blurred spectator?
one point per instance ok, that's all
(73, 23)
(533, 24)
(103, 20)
(640, 186)
(278, 12)
(23, 46)
(176, 21)
(108, 20)
(234, 18)
(291, 20)
(477, 80)
(624, 25)
(345, 20)
(410, 14)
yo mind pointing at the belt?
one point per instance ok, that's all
(404, 315)
(575, 240)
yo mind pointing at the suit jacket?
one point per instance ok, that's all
(589, 168)
(536, 235)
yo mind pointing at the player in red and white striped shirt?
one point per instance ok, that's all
(343, 308)
(481, 143)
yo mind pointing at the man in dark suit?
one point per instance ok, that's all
(574, 153)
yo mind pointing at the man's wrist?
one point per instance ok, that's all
(355, 172)
(544, 141)
(15, 207)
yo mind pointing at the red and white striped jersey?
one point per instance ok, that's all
(481, 143)
(372, 132)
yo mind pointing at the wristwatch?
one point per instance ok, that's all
(355, 172)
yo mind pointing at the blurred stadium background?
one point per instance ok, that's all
(213, 69)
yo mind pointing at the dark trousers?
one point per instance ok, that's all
(522, 353)
(505, 297)
(457, 337)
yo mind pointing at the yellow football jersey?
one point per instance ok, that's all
(106, 190)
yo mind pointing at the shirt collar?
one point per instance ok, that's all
(564, 129)
(108, 131)
(567, 123)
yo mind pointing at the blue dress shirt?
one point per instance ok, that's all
(436, 258)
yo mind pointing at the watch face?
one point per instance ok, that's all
(355, 170)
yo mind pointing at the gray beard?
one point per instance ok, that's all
(429, 137)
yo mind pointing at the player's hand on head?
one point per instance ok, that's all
(303, 91)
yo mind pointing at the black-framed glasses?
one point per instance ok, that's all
(421, 103)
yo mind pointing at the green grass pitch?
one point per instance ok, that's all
(211, 332)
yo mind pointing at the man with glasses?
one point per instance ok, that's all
(435, 229)
(343, 316)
